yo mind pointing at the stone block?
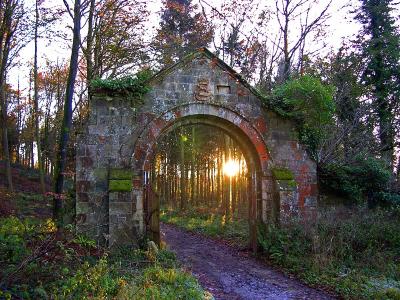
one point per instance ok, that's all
(120, 208)
(120, 197)
(82, 197)
(83, 186)
(120, 174)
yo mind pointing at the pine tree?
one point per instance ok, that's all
(380, 44)
(182, 30)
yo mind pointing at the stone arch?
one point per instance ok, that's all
(115, 147)
(252, 143)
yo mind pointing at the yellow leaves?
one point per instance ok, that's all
(49, 226)
(122, 283)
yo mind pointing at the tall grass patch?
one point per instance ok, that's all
(354, 252)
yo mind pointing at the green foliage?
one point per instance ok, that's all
(284, 244)
(12, 241)
(380, 42)
(89, 282)
(84, 241)
(349, 251)
(310, 103)
(133, 87)
(38, 263)
(160, 283)
(366, 177)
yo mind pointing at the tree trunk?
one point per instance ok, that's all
(5, 134)
(36, 104)
(67, 117)
(6, 35)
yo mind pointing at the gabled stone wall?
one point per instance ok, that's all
(121, 138)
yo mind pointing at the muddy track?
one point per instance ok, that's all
(230, 274)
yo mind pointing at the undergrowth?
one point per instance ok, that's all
(356, 254)
(39, 262)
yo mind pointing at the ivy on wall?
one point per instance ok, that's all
(310, 104)
(133, 87)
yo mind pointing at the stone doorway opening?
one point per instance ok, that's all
(199, 176)
(203, 169)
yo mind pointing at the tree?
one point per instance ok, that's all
(114, 41)
(380, 44)
(181, 31)
(301, 11)
(11, 12)
(67, 117)
(36, 102)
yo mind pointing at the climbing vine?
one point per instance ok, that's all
(310, 104)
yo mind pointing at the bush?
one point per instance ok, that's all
(365, 178)
(134, 87)
(160, 283)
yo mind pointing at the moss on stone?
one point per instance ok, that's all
(120, 174)
(120, 185)
(282, 174)
(292, 183)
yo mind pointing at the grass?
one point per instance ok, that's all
(353, 253)
(214, 225)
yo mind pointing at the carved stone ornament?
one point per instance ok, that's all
(202, 91)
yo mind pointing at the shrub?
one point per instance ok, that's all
(134, 87)
(365, 178)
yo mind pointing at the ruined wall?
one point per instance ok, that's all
(119, 137)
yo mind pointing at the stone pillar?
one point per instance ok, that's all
(121, 208)
(287, 193)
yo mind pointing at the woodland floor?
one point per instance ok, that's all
(230, 273)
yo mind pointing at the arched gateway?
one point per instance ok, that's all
(115, 203)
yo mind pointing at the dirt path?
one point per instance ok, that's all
(229, 274)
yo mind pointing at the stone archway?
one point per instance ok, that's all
(114, 150)
(250, 140)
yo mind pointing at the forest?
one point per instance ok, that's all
(330, 67)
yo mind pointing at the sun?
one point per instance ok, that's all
(231, 168)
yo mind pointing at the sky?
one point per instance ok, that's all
(340, 27)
